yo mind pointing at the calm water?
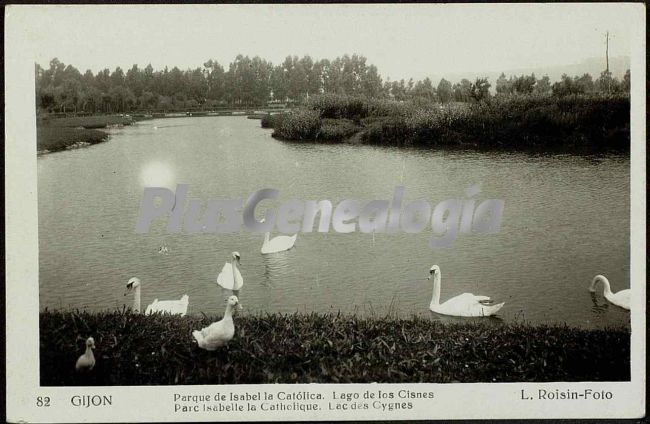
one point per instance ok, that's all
(566, 219)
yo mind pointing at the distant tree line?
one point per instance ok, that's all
(256, 82)
(528, 84)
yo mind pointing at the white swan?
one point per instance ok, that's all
(230, 278)
(621, 298)
(218, 333)
(173, 307)
(86, 362)
(463, 305)
(277, 244)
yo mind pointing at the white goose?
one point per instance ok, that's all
(218, 333)
(86, 362)
(230, 278)
(463, 305)
(174, 307)
(621, 298)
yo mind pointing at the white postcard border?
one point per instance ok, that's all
(155, 403)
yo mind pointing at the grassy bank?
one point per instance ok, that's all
(61, 133)
(54, 139)
(583, 123)
(89, 122)
(136, 349)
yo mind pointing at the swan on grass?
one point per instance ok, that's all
(621, 298)
(463, 305)
(174, 307)
(86, 362)
(230, 278)
(218, 333)
(277, 244)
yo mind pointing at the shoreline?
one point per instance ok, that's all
(134, 349)
(55, 134)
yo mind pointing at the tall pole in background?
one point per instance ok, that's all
(607, 50)
(607, 61)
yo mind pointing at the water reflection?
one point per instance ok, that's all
(277, 267)
(599, 305)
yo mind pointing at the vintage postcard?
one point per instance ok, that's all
(285, 212)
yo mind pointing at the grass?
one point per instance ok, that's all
(584, 123)
(56, 134)
(135, 349)
(89, 122)
(53, 138)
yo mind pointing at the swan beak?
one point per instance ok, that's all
(429, 277)
(239, 307)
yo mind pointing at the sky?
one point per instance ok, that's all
(403, 41)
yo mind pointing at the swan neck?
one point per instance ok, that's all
(267, 235)
(228, 313)
(234, 273)
(136, 300)
(89, 351)
(436, 288)
(607, 290)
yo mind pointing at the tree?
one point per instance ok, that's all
(566, 86)
(462, 91)
(585, 82)
(524, 84)
(424, 90)
(480, 89)
(371, 82)
(606, 83)
(625, 84)
(543, 85)
(444, 91)
(503, 86)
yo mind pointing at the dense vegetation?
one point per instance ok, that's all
(255, 81)
(53, 135)
(137, 349)
(579, 122)
(54, 139)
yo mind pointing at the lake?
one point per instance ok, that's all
(566, 219)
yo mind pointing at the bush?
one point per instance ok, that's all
(271, 121)
(337, 129)
(584, 123)
(301, 124)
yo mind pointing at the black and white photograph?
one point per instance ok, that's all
(326, 211)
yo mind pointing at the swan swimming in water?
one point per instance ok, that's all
(277, 244)
(463, 305)
(173, 307)
(86, 362)
(621, 298)
(230, 278)
(218, 333)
